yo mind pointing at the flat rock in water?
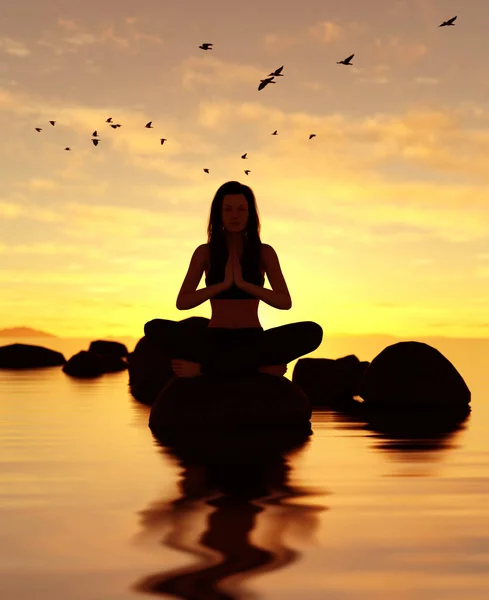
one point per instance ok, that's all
(27, 356)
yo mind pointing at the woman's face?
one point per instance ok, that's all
(234, 212)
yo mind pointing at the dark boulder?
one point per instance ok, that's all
(84, 364)
(207, 403)
(413, 376)
(27, 356)
(329, 382)
(150, 369)
(108, 348)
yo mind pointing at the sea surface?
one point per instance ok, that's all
(92, 507)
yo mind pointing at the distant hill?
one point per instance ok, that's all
(24, 332)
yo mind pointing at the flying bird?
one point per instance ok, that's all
(277, 72)
(109, 120)
(162, 141)
(448, 23)
(95, 134)
(95, 142)
(149, 126)
(346, 61)
(67, 148)
(264, 82)
(52, 123)
(38, 129)
(244, 155)
(206, 170)
(206, 46)
(115, 125)
(247, 171)
(311, 135)
(275, 132)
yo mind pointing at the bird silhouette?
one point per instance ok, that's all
(448, 23)
(247, 171)
(346, 61)
(67, 148)
(162, 141)
(95, 134)
(115, 125)
(95, 142)
(264, 82)
(244, 155)
(38, 129)
(277, 72)
(109, 120)
(275, 132)
(206, 46)
(206, 170)
(149, 126)
(52, 123)
(311, 135)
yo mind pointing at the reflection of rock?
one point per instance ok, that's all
(150, 369)
(27, 356)
(233, 402)
(329, 382)
(413, 376)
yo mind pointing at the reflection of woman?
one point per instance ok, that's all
(240, 494)
(235, 262)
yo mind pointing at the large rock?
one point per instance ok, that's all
(207, 403)
(91, 364)
(27, 356)
(330, 382)
(150, 369)
(413, 376)
(108, 348)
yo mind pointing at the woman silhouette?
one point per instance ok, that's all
(235, 262)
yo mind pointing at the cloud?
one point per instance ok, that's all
(77, 37)
(427, 80)
(395, 50)
(14, 47)
(330, 32)
(210, 70)
(277, 43)
(327, 32)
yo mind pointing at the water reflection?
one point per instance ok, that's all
(403, 434)
(237, 490)
(417, 434)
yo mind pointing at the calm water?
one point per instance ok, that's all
(92, 507)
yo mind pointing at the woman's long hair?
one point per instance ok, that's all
(216, 236)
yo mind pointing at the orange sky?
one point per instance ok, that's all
(380, 222)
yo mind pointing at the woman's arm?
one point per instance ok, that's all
(189, 296)
(278, 296)
(190, 300)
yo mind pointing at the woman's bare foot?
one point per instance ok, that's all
(185, 368)
(278, 370)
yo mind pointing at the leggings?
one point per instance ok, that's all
(233, 351)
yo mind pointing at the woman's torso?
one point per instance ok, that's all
(234, 314)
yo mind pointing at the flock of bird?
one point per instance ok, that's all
(263, 83)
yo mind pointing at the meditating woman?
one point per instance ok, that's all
(235, 262)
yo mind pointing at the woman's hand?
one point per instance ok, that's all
(228, 273)
(238, 275)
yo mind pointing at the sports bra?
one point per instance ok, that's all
(250, 273)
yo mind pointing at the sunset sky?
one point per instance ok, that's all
(380, 222)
